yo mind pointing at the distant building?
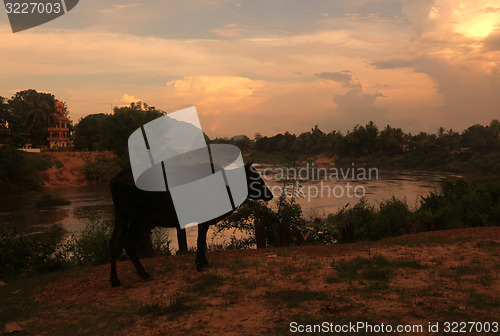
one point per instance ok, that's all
(59, 134)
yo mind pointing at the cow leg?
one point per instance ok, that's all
(135, 229)
(182, 241)
(201, 258)
(115, 247)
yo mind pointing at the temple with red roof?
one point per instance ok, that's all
(59, 134)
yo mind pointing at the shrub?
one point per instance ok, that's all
(102, 169)
(18, 170)
(92, 246)
(282, 225)
(462, 204)
(21, 251)
(354, 224)
(394, 218)
(161, 243)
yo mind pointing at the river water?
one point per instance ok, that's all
(320, 194)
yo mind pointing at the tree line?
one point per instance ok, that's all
(447, 149)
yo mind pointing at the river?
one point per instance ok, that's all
(321, 194)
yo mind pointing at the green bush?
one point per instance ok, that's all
(102, 169)
(462, 204)
(18, 170)
(21, 252)
(92, 246)
(354, 224)
(283, 225)
(394, 218)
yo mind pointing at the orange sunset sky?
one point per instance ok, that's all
(269, 66)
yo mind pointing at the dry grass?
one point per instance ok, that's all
(430, 277)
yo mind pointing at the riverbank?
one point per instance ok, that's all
(66, 170)
(415, 279)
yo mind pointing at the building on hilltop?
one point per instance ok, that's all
(59, 134)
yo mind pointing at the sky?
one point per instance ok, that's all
(269, 66)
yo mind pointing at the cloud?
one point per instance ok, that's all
(215, 88)
(117, 8)
(127, 99)
(215, 126)
(230, 30)
(492, 42)
(344, 78)
(358, 107)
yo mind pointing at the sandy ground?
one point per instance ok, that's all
(440, 276)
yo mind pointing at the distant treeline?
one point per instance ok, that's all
(475, 149)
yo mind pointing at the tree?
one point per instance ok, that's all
(4, 110)
(111, 131)
(126, 120)
(391, 140)
(495, 126)
(36, 110)
(91, 132)
(480, 138)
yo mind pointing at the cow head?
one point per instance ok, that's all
(257, 188)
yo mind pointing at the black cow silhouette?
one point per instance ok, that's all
(137, 210)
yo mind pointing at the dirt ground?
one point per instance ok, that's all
(441, 276)
(68, 175)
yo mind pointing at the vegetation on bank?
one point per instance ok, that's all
(460, 204)
(101, 169)
(19, 170)
(26, 253)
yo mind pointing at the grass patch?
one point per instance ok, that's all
(179, 304)
(205, 283)
(377, 270)
(430, 241)
(87, 320)
(289, 269)
(293, 298)
(482, 301)
(234, 264)
(17, 301)
(470, 269)
(331, 279)
(488, 245)
(408, 263)
(473, 271)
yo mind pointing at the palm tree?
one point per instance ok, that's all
(36, 109)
